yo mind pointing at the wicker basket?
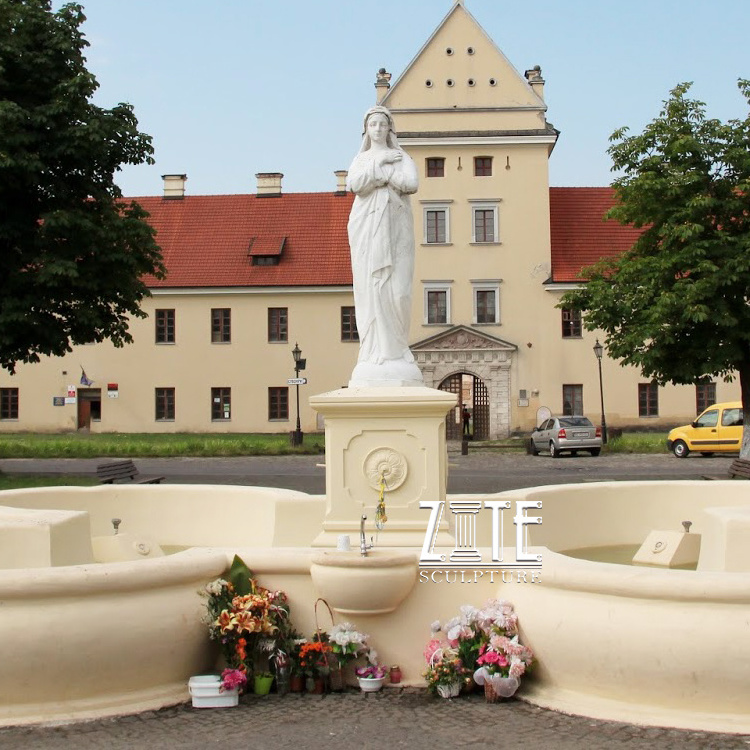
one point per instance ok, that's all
(449, 691)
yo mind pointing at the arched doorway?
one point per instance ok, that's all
(471, 391)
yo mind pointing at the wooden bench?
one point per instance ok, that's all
(121, 472)
(738, 469)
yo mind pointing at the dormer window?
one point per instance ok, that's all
(266, 251)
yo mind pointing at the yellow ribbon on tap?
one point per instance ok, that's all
(380, 516)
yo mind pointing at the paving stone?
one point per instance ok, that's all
(410, 718)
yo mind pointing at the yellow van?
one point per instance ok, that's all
(717, 429)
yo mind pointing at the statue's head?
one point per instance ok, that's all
(382, 112)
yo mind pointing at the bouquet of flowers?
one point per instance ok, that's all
(313, 658)
(486, 642)
(444, 668)
(246, 619)
(371, 670)
(232, 679)
(346, 642)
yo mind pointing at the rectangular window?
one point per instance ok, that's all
(277, 324)
(165, 330)
(164, 404)
(221, 325)
(705, 396)
(484, 223)
(349, 325)
(483, 166)
(486, 304)
(437, 306)
(648, 400)
(8, 403)
(571, 323)
(435, 226)
(436, 167)
(278, 404)
(221, 404)
(437, 222)
(572, 400)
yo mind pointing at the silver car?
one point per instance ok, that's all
(566, 434)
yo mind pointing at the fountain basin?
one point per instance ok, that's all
(83, 641)
(658, 646)
(354, 584)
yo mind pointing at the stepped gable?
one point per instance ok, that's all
(210, 240)
(580, 236)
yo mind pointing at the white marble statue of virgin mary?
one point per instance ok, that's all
(381, 238)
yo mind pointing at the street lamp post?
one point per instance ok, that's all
(598, 351)
(299, 364)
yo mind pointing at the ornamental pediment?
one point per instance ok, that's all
(462, 338)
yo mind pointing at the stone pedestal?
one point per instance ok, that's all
(393, 433)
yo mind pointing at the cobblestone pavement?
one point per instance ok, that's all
(393, 718)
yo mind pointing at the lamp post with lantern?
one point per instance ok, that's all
(599, 351)
(299, 364)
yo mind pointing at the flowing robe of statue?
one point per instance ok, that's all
(381, 238)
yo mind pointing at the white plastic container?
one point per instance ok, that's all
(207, 693)
(370, 684)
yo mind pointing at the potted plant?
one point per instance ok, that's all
(445, 671)
(313, 659)
(347, 644)
(371, 677)
(296, 670)
(247, 620)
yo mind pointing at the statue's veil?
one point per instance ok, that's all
(391, 140)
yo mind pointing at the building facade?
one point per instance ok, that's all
(251, 276)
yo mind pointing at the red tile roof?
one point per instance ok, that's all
(580, 236)
(209, 240)
(205, 239)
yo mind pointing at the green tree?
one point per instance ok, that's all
(676, 304)
(72, 252)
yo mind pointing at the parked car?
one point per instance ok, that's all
(566, 434)
(717, 430)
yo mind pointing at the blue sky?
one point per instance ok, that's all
(233, 87)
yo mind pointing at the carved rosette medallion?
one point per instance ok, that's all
(385, 464)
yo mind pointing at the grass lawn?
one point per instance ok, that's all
(628, 442)
(143, 445)
(638, 442)
(20, 481)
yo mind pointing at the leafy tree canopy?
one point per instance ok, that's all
(72, 252)
(676, 304)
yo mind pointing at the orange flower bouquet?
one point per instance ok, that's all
(314, 659)
(246, 619)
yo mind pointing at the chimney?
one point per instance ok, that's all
(382, 85)
(341, 175)
(534, 77)
(269, 184)
(174, 186)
